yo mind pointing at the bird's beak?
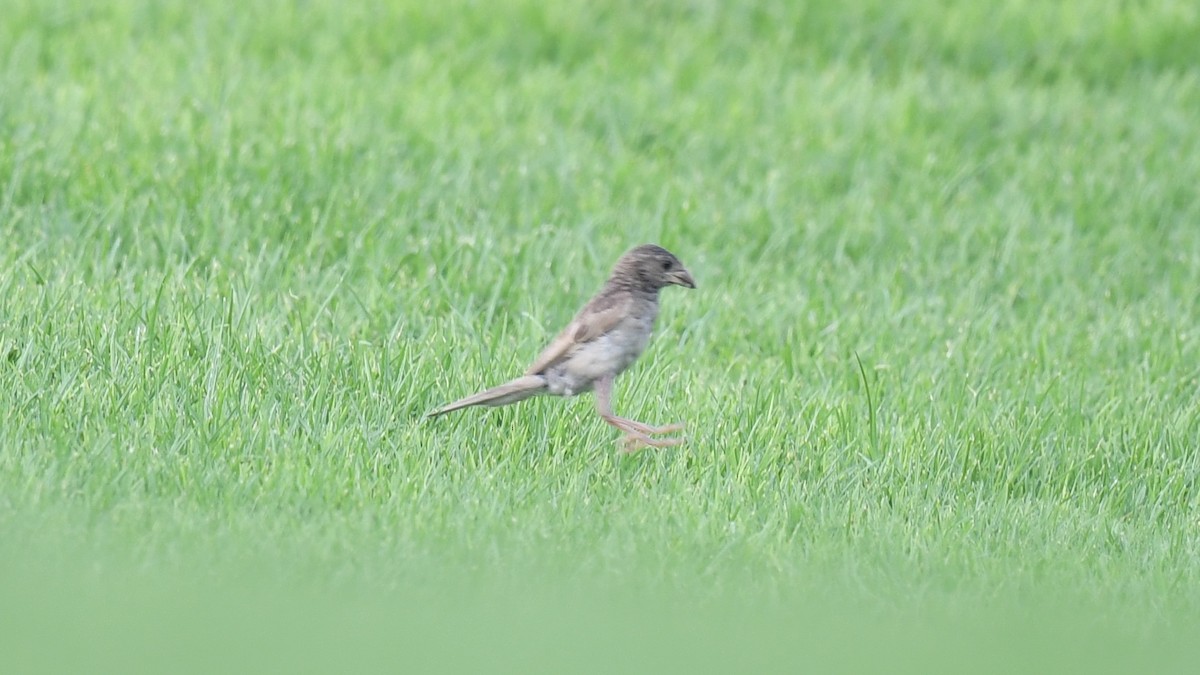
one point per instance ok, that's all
(682, 278)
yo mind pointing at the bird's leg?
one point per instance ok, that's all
(603, 390)
(637, 433)
(647, 429)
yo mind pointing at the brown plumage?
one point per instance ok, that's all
(603, 339)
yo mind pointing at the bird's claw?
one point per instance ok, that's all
(639, 434)
(634, 441)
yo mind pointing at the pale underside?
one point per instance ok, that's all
(602, 340)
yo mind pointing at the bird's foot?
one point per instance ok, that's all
(639, 435)
(634, 441)
(664, 429)
(628, 425)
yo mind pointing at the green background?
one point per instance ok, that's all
(244, 247)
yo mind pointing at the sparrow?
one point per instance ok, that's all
(600, 343)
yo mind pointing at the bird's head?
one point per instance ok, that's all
(650, 268)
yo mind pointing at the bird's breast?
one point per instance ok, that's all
(609, 354)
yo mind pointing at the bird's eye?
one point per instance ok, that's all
(666, 265)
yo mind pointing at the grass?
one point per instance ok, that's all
(939, 373)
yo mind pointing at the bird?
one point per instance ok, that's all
(601, 342)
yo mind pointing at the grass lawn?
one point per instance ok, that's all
(941, 373)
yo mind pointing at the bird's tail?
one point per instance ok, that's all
(509, 392)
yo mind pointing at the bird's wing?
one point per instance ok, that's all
(598, 317)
